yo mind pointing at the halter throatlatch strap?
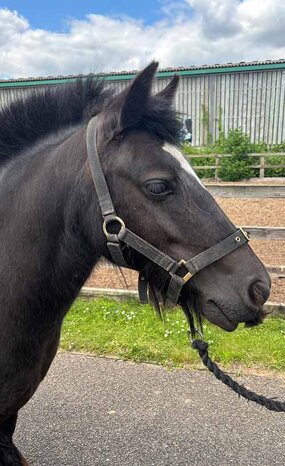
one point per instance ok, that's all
(180, 272)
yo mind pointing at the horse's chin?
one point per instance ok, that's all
(212, 312)
(216, 315)
(190, 301)
(193, 302)
(223, 317)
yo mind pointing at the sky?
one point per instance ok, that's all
(50, 38)
(52, 14)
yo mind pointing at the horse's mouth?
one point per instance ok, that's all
(227, 317)
(209, 310)
(216, 315)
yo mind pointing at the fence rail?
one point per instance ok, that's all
(266, 233)
(247, 190)
(262, 165)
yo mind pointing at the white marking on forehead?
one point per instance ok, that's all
(177, 154)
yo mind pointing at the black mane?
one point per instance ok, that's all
(29, 118)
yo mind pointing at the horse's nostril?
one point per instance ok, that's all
(259, 292)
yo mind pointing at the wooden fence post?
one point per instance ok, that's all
(217, 166)
(262, 166)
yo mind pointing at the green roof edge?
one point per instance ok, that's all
(161, 74)
(199, 71)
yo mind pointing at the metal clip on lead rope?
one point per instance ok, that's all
(193, 333)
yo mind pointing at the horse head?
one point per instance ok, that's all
(160, 198)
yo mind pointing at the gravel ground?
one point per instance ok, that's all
(261, 212)
(99, 412)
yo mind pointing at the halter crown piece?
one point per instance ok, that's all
(180, 272)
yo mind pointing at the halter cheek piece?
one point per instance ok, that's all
(180, 272)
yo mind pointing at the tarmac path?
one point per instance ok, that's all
(98, 412)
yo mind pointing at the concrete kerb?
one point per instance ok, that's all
(277, 309)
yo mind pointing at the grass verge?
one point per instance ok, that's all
(129, 330)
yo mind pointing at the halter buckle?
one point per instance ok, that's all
(188, 275)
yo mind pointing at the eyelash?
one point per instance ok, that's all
(158, 187)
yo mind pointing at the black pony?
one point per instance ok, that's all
(51, 226)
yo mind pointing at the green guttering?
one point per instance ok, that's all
(195, 72)
(32, 83)
(161, 74)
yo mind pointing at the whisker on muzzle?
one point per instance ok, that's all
(260, 316)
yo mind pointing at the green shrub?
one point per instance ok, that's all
(258, 147)
(275, 160)
(208, 173)
(188, 149)
(234, 169)
(277, 147)
(237, 143)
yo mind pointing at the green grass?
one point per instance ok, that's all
(128, 330)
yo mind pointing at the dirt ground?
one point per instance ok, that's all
(261, 212)
(258, 212)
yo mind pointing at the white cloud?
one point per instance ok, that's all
(191, 32)
(265, 21)
(11, 23)
(217, 18)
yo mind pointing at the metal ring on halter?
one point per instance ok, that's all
(110, 219)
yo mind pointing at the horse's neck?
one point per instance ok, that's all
(51, 242)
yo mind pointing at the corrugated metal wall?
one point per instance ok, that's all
(6, 95)
(253, 101)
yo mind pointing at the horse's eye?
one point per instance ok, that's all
(158, 187)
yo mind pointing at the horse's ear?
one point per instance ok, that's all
(169, 91)
(135, 99)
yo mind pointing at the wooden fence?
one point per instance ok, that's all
(268, 233)
(262, 165)
(247, 190)
(271, 234)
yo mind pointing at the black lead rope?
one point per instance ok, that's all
(202, 348)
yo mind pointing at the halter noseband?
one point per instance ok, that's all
(180, 272)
